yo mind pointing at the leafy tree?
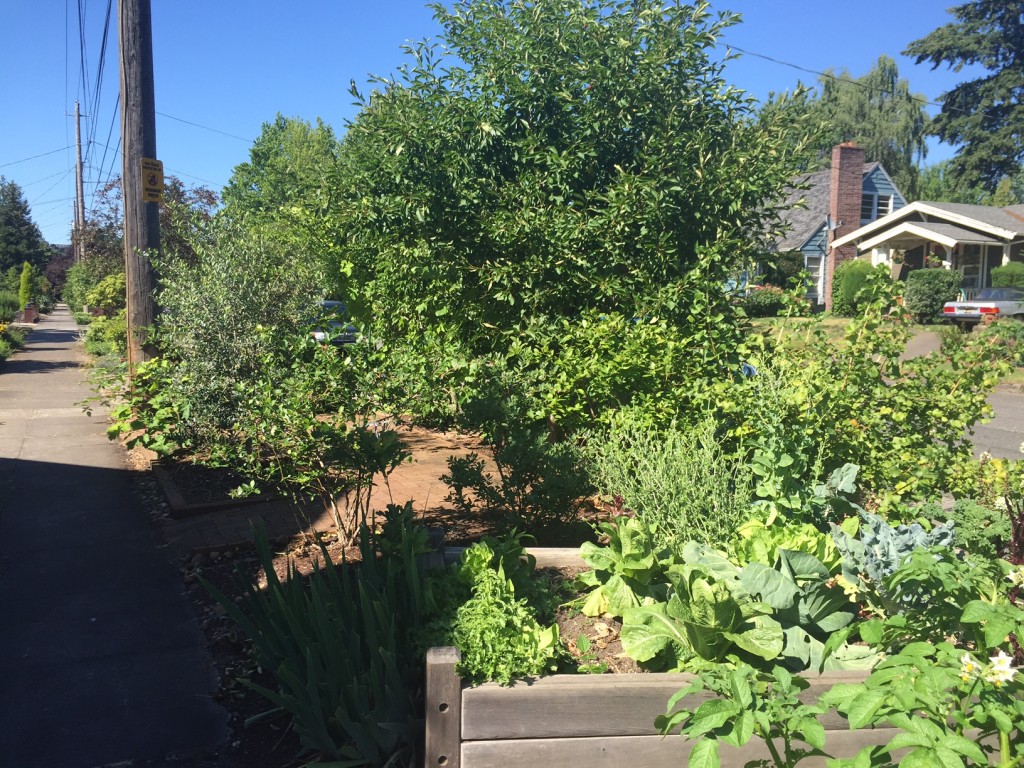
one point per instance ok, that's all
(879, 112)
(939, 184)
(290, 162)
(20, 238)
(985, 116)
(561, 160)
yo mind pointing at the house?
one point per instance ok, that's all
(971, 239)
(836, 201)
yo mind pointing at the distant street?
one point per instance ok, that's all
(1002, 437)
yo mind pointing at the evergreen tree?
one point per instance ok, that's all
(985, 115)
(20, 238)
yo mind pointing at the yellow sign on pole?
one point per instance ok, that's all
(152, 180)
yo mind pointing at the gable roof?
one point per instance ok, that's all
(804, 221)
(1004, 224)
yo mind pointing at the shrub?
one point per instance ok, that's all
(980, 530)
(928, 289)
(540, 485)
(768, 301)
(8, 306)
(1007, 336)
(1009, 275)
(25, 291)
(785, 269)
(849, 278)
(677, 479)
(108, 336)
(108, 295)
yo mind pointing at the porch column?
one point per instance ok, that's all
(1006, 254)
(948, 261)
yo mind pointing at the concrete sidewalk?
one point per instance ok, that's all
(101, 657)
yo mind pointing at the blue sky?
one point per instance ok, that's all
(231, 66)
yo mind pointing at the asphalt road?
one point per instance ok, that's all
(1002, 437)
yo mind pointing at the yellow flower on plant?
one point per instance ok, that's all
(1016, 577)
(968, 667)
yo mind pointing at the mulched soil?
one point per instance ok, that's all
(267, 741)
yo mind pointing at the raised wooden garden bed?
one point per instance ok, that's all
(594, 721)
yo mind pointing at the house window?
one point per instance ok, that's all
(874, 206)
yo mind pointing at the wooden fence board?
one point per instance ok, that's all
(570, 706)
(640, 751)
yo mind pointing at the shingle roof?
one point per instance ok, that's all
(803, 222)
(1011, 217)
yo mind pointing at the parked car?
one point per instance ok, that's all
(332, 326)
(990, 302)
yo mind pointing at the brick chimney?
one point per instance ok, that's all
(846, 187)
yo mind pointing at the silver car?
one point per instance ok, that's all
(990, 302)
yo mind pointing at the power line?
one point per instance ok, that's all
(839, 79)
(204, 127)
(34, 157)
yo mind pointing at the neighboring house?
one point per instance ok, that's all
(835, 201)
(968, 238)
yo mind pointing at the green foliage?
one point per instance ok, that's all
(9, 304)
(782, 269)
(145, 406)
(20, 238)
(878, 549)
(489, 606)
(748, 703)
(928, 289)
(1008, 275)
(300, 431)
(679, 481)
(108, 335)
(340, 649)
(702, 618)
(989, 33)
(879, 112)
(945, 704)
(980, 529)
(626, 568)
(10, 340)
(226, 318)
(540, 484)
(25, 289)
(768, 301)
(526, 182)
(849, 278)
(108, 295)
(84, 275)
(827, 404)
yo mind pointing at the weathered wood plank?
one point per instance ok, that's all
(640, 751)
(571, 706)
(443, 709)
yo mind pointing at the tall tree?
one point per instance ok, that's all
(290, 163)
(985, 116)
(20, 238)
(879, 112)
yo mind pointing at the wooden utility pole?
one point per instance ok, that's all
(79, 191)
(141, 174)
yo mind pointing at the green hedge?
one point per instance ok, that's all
(928, 289)
(768, 301)
(1009, 276)
(849, 278)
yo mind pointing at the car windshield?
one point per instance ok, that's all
(1000, 294)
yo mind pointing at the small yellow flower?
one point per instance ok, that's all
(968, 667)
(1016, 577)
